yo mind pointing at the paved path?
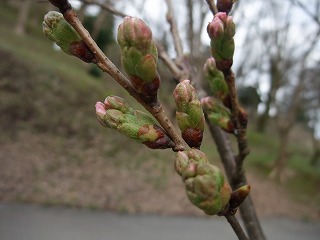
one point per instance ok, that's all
(37, 223)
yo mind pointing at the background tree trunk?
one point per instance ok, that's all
(24, 10)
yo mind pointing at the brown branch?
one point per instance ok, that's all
(106, 7)
(190, 24)
(174, 30)
(212, 6)
(240, 129)
(107, 66)
(237, 227)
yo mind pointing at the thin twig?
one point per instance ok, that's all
(240, 131)
(212, 6)
(107, 66)
(174, 30)
(106, 6)
(237, 227)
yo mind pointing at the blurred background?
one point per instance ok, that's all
(53, 151)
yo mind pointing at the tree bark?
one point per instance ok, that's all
(281, 160)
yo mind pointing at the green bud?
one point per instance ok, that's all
(139, 57)
(116, 113)
(58, 30)
(197, 156)
(206, 187)
(189, 113)
(215, 78)
(133, 32)
(180, 162)
(221, 31)
(118, 103)
(221, 121)
(211, 104)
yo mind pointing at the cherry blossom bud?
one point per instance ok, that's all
(215, 77)
(239, 195)
(139, 57)
(221, 31)
(189, 113)
(57, 29)
(116, 113)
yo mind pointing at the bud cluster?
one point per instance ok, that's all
(189, 113)
(139, 57)
(58, 30)
(116, 113)
(221, 31)
(206, 186)
(218, 114)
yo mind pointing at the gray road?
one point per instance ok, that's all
(37, 223)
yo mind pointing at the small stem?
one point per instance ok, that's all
(212, 6)
(240, 130)
(106, 6)
(237, 227)
(174, 30)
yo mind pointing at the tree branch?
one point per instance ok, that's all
(237, 227)
(212, 6)
(174, 30)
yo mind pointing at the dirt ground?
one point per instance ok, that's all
(50, 171)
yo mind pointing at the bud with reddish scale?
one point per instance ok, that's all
(225, 5)
(57, 29)
(239, 195)
(116, 113)
(189, 113)
(218, 114)
(221, 31)
(215, 78)
(139, 57)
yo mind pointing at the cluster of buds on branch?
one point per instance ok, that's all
(221, 31)
(116, 113)
(206, 187)
(139, 57)
(58, 30)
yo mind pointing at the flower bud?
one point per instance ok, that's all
(180, 162)
(133, 32)
(139, 57)
(206, 187)
(57, 29)
(197, 156)
(215, 77)
(211, 104)
(221, 31)
(115, 102)
(116, 113)
(239, 195)
(189, 113)
(225, 5)
(221, 121)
